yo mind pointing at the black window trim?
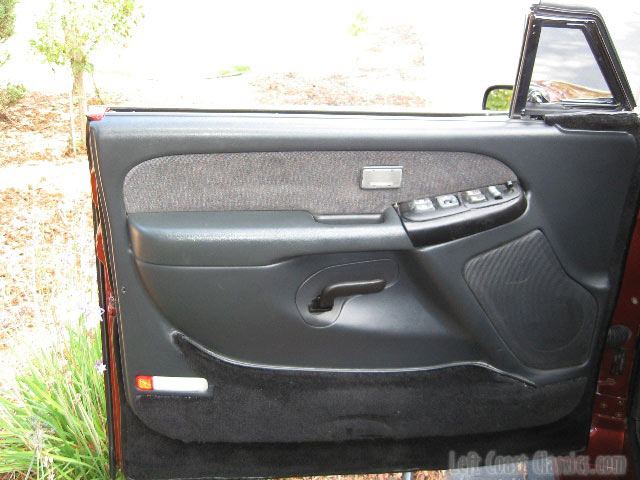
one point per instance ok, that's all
(591, 23)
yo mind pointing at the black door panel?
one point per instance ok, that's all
(209, 283)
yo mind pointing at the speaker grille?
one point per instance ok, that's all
(544, 316)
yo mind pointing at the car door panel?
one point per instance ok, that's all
(208, 285)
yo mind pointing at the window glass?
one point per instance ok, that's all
(565, 68)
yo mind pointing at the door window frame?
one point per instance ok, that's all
(590, 22)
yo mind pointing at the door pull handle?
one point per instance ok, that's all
(324, 302)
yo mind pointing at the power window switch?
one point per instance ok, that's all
(422, 205)
(447, 201)
(475, 196)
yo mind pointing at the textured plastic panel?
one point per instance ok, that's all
(544, 316)
(251, 315)
(254, 238)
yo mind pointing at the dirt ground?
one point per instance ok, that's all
(388, 72)
(46, 251)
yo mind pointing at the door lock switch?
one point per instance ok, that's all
(447, 201)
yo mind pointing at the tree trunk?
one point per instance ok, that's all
(80, 97)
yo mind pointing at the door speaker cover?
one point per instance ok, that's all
(544, 316)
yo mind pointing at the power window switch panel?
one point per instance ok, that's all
(447, 201)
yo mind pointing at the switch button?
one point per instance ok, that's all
(447, 201)
(475, 196)
(422, 205)
(495, 193)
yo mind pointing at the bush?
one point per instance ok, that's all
(53, 424)
(11, 94)
(7, 18)
(7, 24)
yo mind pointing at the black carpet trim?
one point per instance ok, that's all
(250, 405)
(150, 455)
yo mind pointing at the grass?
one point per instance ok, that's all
(11, 94)
(359, 25)
(47, 259)
(52, 424)
(234, 70)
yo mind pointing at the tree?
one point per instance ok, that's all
(7, 22)
(72, 29)
(9, 93)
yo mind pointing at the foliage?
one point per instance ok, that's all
(11, 94)
(234, 70)
(71, 29)
(7, 19)
(7, 23)
(499, 99)
(53, 424)
(359, 25)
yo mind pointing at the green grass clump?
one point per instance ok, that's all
(359, 25)
(234, 70)
(52, 424)
(11, 94)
